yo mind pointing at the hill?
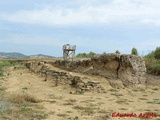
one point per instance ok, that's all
(12, 55)
(40, 56)
(20, 55)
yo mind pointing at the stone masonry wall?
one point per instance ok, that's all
(60, 77)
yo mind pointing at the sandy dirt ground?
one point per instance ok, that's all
(59, 104)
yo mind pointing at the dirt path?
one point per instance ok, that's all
(60, 105)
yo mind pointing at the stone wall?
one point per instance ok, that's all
(43, 69)
(60, 77)
(129, 69)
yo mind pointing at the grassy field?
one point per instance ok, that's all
(17, 105)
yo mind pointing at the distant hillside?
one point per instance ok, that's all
(12, 55)
(20, 55)
(41, 56)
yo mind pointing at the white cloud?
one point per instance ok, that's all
(33, 40)
(135, 12)
(22, 39)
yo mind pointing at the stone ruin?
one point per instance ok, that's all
(130, 70)
(120, 70)
(64, 78)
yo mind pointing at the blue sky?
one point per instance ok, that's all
(44, 26)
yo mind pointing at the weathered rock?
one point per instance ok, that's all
(132, 70)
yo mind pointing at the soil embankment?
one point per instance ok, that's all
(129, 70)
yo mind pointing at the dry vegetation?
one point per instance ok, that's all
(26, 96)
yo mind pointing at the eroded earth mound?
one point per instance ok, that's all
(120, 70)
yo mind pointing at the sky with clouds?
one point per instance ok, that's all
(44, 26)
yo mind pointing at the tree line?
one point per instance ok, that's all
(91, 54)
(85, 55)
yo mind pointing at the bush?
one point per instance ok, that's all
(1, 72)
(117, 52)
(134, 51)
(85, 55)
(91, 54)
(152, 63)
(157, 53)
(150, 56)
(154, 69)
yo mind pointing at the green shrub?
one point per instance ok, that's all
(150, 56)
(4, 63)
(85, 55)
(117, 52)
(155, 69)
(134, 51)
(157, 53)
(152, 63)
(1, 72)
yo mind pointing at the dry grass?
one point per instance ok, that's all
(53, 96)
(2, 89)
(23, 97)
(116, 94)
(123, 109)
(89, 110)
(20, 107)
(62, 115)
(22, 111)
(70, 102)
(39, 106)
(154, 101)
(24, 106)
(102, 111)
(155, 89)
(113, 90)
(142, 98)
(122, 101)
(138, 90)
